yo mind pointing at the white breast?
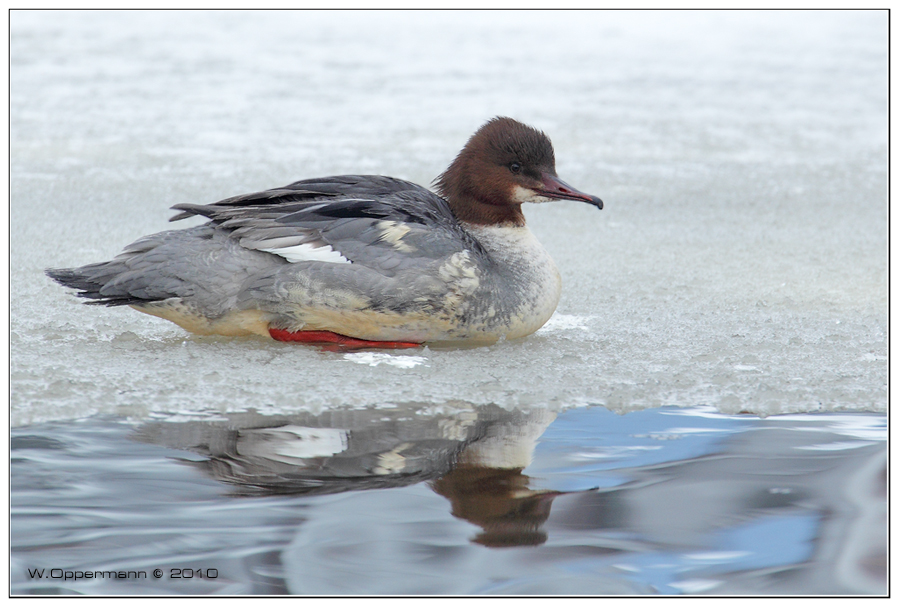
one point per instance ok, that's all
(534, 288)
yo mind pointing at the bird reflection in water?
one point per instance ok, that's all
(471, 455)
(500, 502)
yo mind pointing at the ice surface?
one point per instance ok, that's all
(739, 262)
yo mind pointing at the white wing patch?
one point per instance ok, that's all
(308, 253)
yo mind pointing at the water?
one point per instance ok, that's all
(739, 264)
(454, 500)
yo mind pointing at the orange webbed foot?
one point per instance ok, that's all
(334, 342)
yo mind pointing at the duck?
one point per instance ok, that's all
(359, 261)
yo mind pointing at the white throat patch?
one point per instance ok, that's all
(524, 195)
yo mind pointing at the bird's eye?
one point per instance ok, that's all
(515, 168)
